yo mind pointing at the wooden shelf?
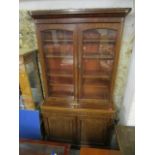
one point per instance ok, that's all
(96, 76)
(98, 41)
(61, 84)
(96, 86)
(61, 93)
(60, 75)
(59, 56)
(98, 57)
(95, 96)
(58, 41)
(96, 81)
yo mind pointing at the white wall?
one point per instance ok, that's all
(73, 4)
(127, 111)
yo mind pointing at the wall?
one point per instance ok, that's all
(127, 110)
(124, 59)
(27, 37)
(73, 4)
(128, 34)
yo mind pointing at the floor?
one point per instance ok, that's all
(113, 145)
(74, 152)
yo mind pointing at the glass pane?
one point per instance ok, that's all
(31, 74)
(99, 43)
(57, 35)
(96, 68)
(96, 78)
(58, 48)
(34, 81)
(98, 52)
(60, 76)
(58, 43)
(99, 34)
(92, 92)
(58, 66)
(60, 80)
(61, 90)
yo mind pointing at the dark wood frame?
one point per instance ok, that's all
(99, 12)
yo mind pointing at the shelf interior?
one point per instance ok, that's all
(95, 68)
(61, 90)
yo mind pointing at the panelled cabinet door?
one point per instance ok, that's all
(60, 128)
(93, 130)
(58, 52)
(97, 53)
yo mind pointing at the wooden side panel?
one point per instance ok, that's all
(46, 126)
(93, 130)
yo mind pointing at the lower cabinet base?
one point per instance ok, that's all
(78, 126)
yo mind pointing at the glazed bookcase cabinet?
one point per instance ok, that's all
(79, 51)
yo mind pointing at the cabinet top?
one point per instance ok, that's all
(109, 12)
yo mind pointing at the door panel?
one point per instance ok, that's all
(61, 128)
(93, 131)
(58, 54)
(97, 52)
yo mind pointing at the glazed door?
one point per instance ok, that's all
(58, 60)
(97, 53)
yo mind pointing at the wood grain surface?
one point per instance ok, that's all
(94, 151)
